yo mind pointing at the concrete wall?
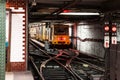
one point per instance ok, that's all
(93, 32)
(118, 32)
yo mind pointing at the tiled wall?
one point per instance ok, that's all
(2, 39)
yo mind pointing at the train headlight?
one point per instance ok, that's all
(61, 38)
(64, 38)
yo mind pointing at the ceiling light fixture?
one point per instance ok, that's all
(79, 13)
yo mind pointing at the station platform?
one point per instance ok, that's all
(27, 75)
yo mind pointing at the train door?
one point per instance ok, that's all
(47, 32)
(44, 32)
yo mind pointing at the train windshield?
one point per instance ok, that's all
(61, 30)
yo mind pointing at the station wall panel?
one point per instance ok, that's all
(118, 33)
(18, 50)
(2, 39)
(92, 36)
(118, 62)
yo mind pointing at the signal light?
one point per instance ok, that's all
(114, 29)
(106, 28)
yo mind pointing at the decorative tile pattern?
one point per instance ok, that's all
(17, 3)
(18, 66)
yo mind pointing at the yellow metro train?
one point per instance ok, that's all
(55, 34)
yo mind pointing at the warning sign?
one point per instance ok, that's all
(114, 40)
(106, 41)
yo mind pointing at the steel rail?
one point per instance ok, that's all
(68, 67)
(51, 58)
(40, 75)
(92, 65)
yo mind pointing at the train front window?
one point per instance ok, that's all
(61, 30)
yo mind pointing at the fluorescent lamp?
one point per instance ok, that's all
(79, 13)
(85, 65)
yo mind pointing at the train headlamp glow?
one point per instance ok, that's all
(61, 38)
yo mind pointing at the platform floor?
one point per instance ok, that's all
(19, 76)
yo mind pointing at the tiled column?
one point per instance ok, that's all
(2, 39)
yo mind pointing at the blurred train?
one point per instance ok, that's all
(55, 34)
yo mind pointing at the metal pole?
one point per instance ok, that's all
(107, 50)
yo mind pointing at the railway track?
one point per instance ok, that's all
(50, 66)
